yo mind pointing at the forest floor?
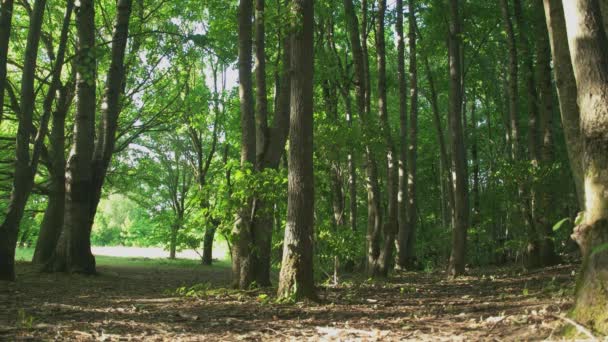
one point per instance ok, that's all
(141, 299)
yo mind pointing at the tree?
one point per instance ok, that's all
(297, 279)
(460, 212)
(242, 267)
(73, 251)
(566, 91)
(25, 165)
(401, 260)
(588, 50)
(412, 147)
(6, 16)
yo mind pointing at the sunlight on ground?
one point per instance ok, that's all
(220, 252)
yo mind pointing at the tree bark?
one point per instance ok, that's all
(401, 259)
(24, 173)
(460, 214)
(73, 251)
(566, 91)
(297, 277)
(111, 107)
(242, 265)
(589, 53)
(6, 16)
(52, 222)
(545, 195)
(412, 143)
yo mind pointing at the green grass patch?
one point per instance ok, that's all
(26, 254)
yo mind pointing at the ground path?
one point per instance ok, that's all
(187, 302)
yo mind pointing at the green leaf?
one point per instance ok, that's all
(560, 224)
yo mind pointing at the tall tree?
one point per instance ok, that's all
(6, 17)
(270, 140)
(566, 90)
(242, 267)
(73, 252)
(297, 277)
(390, 228)
(412, 147)
(25, 164)
(401, 260)
(111, 107)
(460, 212)
(589, 53)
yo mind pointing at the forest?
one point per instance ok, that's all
(336, 170)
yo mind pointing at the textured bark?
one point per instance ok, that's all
(270, 144)
(545, 196)
(242, 267)
(460, 214)
(589, 52)
(52, 222)
(297, 278)
(73, 251)
(24, 172)
(566, 90)
(401, 259)
(6, 16)
(412, 143)
(111, 107)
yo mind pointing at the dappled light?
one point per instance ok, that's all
(315, 170)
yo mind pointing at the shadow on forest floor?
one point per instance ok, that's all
(168, 303)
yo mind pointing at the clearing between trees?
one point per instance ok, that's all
(157, 300)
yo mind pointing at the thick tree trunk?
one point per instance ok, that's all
(460, 214)
(242, 266)
(589, 51)
(566, 90)
(401, 259)
(297, 277)
(512, 81)
(6, 16)
(73, 252)
(24, 173)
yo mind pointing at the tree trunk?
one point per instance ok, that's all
(412, 143)
(111, 107)
(242, 267)
(73, 252)
(24, 174)
(460, 215)
(6, 16)
(374, 218)
(297, 277)
(208, 245)
(566, 91)
(545, 195)
(52, 222)
(589, 51)
(401, 259)
(173, 241)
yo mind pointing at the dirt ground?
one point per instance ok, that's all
(147, 304)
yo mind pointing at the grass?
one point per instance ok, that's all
(26, 254)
